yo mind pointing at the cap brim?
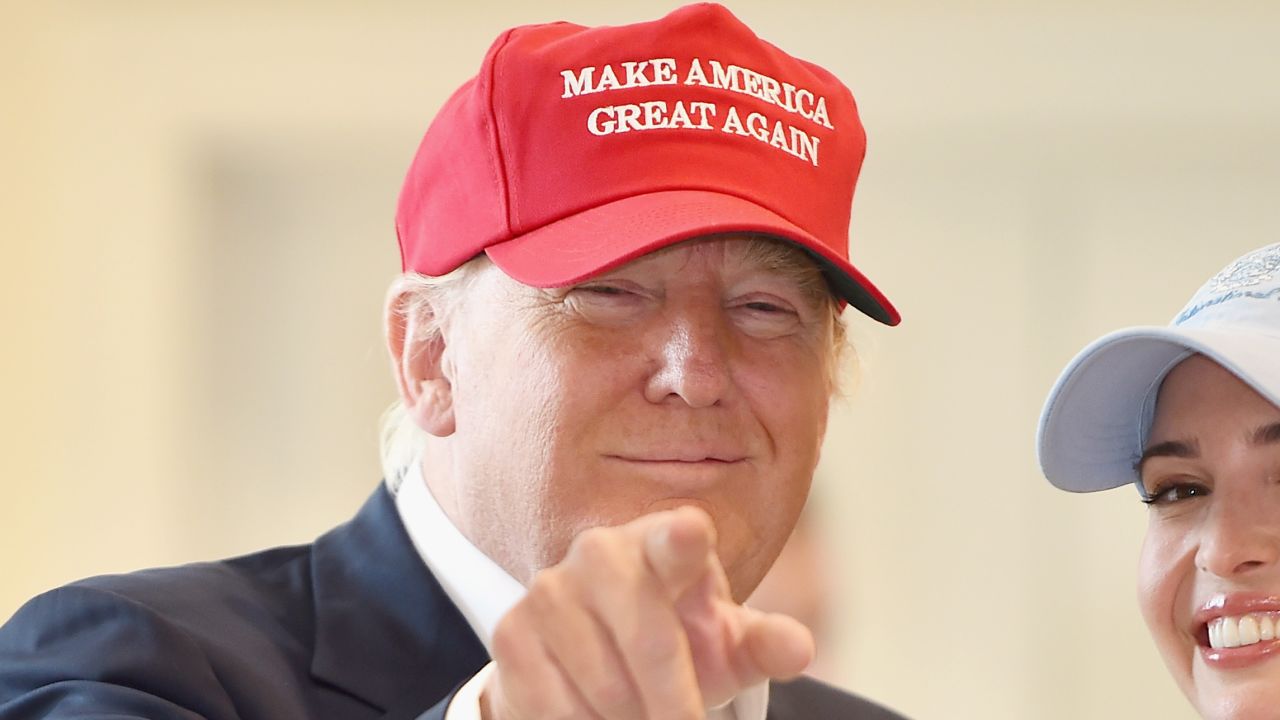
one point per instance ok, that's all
(1091, 429)
(583, 245)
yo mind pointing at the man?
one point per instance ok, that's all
(625, 253)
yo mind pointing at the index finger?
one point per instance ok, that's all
(678, 547)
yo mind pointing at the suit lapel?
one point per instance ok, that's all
(385, 630)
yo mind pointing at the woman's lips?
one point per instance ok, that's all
(1239, 657)
(1238, 630)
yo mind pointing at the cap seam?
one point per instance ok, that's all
(504, 182)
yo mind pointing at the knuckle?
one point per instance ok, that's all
(546, 592)
(686, 712)
(506, 637)
(530, 696)
(679, 706)
(593, 546)
(557, 707)
(610, 694)
(541, 702)
(657, 647)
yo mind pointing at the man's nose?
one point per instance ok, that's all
(1241, 533)
(693, 351)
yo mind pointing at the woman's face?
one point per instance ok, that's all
(1209, 577)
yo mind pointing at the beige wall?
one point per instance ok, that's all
(196, 211)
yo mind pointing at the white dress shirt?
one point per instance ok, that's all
(485, 592)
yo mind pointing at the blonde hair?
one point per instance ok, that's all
(430, 301)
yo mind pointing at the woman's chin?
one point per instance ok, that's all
(1253, 694)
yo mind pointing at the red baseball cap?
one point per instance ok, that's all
(575, 150)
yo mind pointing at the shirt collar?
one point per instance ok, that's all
(483, 591)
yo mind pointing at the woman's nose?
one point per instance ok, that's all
(1241, 534)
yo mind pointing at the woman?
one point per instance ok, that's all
(1190, 414)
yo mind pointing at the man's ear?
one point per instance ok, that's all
(417, 362)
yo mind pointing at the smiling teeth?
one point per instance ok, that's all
(1241, 630)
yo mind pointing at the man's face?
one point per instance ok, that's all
(697, 375)
(1209, 577)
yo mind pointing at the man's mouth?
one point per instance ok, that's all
(683, 455)
(683, 459)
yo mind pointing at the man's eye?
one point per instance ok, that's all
(764, 304)
(607, 303)
(765, 317)
(602, 289)
(765, 307)
(1174, 493)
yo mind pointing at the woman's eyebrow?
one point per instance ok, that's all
(1268, 434)
(1171, 448)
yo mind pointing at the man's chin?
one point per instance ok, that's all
(671, 503)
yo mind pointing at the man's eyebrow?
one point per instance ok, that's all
(1169, 448)
(1267, 434)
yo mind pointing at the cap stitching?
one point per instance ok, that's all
(1191, 312)
(504, 182)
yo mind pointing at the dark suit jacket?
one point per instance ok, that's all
(352, 626)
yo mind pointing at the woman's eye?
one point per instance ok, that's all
(1175, 493)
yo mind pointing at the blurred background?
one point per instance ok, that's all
(196, 205)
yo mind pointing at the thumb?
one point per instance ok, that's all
(774, 646)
